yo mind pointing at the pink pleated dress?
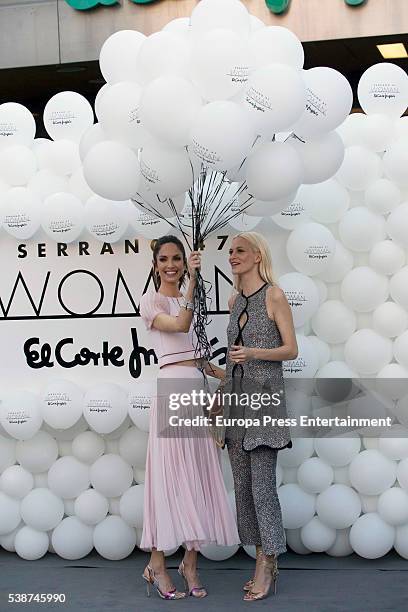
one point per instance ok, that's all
(185, 501)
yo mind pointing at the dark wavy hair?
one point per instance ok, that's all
(156, 245)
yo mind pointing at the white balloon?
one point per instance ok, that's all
(397, 224)
(274, 98)
(321, 157)
(302, 449)
(91, 507)
(68, 477)
(20, 414)
(90, 138)
(266, 209)
(41, 509)
(211, 14)
(133, 447)
(88, 446)
(322, 322)
(359, 169)
(67, 115)
(141, 395)
(180, 27)
(295, 543)
(367, 352)
(38, 453)
(105, 407)
(305, 364)
(341, 475)
(78, 186)
(161, 53)
(338, 451)
(386, 257)
(221, 135)
(21, 213)
(119, 114)
(401, 349)
(62, 217)
(111, 475)
(314, 475)
(168, 108)
(17, 125)
(338, 506)
(399, 287)
(383, 88)
(278, 45)
(298, 507)
(114, 539)
(371, 537)
(377, 132)
(341, 546)
(317, 536)
(274, 170)
(216, 552)
(382, 196)
(98, 98)
(363, 289)
(220, 64)
(105, 219)
(31, 544)
(72, 539)
(394, 443)
(111, 170)
(298, 212)
(118, 54)
(7, 452)
(302, 295)
(310, 248)
(329, 101)
(391, 381)
(326, 202)
(371, 473)
(131, 506)
(401, 541)
(62, 157)
(16, 481)
(322, 349)
(351, 128)
(10, 516)
(339, 266)
(390, 319)
(18, 164)
(45, 183)
(145, 224)
(167, 170)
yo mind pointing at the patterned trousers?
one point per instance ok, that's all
(259, 513)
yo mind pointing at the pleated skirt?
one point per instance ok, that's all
(185, 500)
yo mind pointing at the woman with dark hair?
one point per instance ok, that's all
(185, 497)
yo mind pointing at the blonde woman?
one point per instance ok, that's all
(260, 336)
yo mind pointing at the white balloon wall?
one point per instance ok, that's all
(224, 91)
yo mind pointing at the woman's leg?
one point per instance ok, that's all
(158, 565)
(269, 517)
(188, 570)
(246, 512)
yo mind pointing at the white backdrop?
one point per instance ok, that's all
(38, 295)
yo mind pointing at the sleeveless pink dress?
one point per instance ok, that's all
(185, 497)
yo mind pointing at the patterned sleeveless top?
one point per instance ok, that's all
(251, 326)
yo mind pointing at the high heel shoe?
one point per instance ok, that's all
(150, 577)
(271, 566)
(248, 585)
(199, 592)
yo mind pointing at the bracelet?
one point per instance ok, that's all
(189, 305)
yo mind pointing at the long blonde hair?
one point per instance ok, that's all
(260, 245)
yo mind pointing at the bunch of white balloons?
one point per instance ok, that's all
(213, 91)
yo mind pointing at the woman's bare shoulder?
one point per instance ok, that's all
(275, 294)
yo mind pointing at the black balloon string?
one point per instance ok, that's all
(211, 202)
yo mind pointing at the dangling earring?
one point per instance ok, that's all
(157, 280)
